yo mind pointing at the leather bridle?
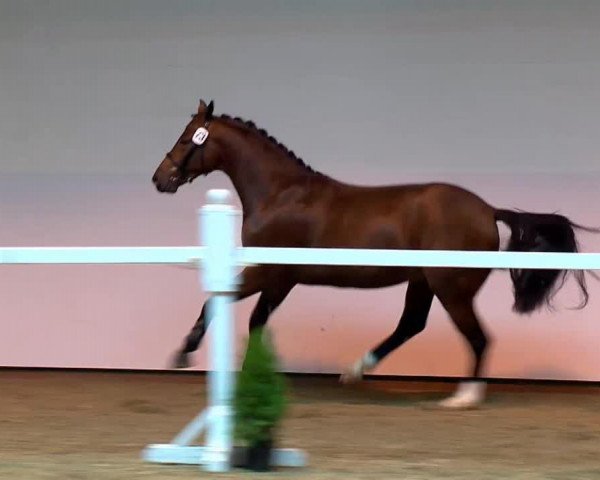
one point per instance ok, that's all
(178, 171)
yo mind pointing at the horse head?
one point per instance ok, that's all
(195, 153)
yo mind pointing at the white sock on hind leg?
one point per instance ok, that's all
(467, 395)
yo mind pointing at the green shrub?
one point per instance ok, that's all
(260, 393)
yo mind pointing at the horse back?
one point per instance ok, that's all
(419, 216)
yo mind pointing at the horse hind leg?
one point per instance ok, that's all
(458, 302)
(469, 394)
(413, 320)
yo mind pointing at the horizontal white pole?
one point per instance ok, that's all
(303, 256)
(418, 258)
(100, 255)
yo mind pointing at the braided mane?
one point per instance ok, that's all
(252, 126)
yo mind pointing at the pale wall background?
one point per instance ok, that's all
(501, 97)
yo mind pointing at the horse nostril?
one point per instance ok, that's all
(154, 179)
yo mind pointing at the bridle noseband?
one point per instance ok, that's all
(178, 171)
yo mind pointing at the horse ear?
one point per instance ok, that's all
(209, 110)
(201, 106)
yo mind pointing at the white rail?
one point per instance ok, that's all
(302, 256)
(99, 255)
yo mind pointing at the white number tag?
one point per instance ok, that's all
(200, 136)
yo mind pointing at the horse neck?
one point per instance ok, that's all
(258, 174)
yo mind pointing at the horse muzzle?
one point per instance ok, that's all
(169, 186)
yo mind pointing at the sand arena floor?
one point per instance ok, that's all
(80, 425)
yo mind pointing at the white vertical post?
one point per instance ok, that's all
(217, 231)
(217, 220)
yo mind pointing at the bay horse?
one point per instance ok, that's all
(288, 204)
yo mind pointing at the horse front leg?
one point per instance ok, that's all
(250, 281)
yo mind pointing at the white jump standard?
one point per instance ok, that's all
(217, 231)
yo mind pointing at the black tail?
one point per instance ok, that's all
(535, 232)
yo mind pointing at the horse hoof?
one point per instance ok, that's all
(181, 360)
(350, 377)
(469, 395)
(453, 403)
